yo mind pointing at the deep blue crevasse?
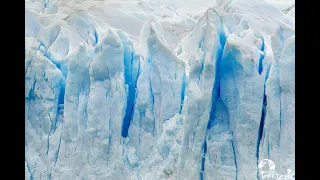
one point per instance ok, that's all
(60, 102)
(263, 116)
(263, 113)
(96, 37)
(204, 152)
(215, 96)
(260, 65)
(235, 159)
(216, 87)
(183, 89)
(131, 81)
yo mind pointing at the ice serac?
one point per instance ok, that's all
(107, 103)
(43, 88)
(76, 93)
(242, 92)
(277, 142)
(72, 136)
(166, 78)
(96, 98)
(207, 46)
(54, 43)
(287, 85)
(159, 91)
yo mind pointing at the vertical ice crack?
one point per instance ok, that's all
(260, 65)
(131, 75)
(48, 144)
(152, 101)
(280, 117)
(183, 88)
(204, 152)
(131, 82)
(262, 120)
(57, 153)
(109, 132)
(59, 106)
(96, 38)
(235, 159)
(152, 95)
(32, 88)
(202, 60)
(268, 149)
(29, 170)
(261, 126)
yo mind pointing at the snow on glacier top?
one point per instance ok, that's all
(177, 17)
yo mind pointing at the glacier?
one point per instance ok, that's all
(158, 89)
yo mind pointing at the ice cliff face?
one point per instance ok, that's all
(150, 90)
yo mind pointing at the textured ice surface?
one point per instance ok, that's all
(165, 89)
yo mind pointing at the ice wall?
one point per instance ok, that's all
(107, 103)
